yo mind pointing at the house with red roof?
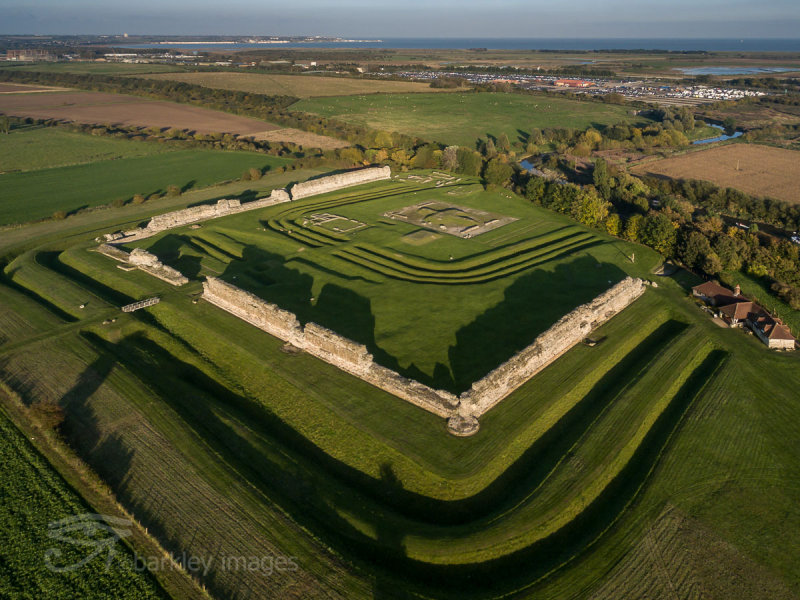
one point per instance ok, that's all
(736, 311)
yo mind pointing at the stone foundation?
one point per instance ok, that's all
(150, 264)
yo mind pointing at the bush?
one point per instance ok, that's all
(138, 199)
(59, 215)
(173, 191)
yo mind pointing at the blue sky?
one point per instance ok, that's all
(409, 18)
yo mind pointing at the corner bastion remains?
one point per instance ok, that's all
(462, 412)
(144, 261)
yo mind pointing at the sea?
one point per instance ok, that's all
(670, 44)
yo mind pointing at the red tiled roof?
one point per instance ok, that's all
(741, 310)
(720, 294)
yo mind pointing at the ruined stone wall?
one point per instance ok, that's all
(150, 264)
(113, 252)
(335, 349)
(568, 331)
(249, 307)
(337, 182)
(326, 345)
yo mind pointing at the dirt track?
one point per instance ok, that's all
(757, 170)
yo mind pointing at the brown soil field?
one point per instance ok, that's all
(93, 107)
(301, 138)
(21, 88)
(300, 86)
(757, 170)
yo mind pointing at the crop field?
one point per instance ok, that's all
(92, 68)
(119, 109)
(32, 195)
(33, 495)
(614, 473)
(283, 256)
(463, 118)
(758, 170)
(31, 148)
(300, 86)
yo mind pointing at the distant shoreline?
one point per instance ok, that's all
(542, 44)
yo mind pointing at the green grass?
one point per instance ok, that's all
(32, 148)
(463, 118)
(38, 194)
(456, 291)
(32, 495)
(563, 483)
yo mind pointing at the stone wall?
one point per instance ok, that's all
(336, 182)
(325, 344)
(462, 412)
(568, 331)
(150, 264)
(249, 307)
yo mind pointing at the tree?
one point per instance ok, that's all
(489, 149)
(5, 125)
(694, 249)
(469, 161)
(712, 264)
(503, 143)
(498, 172)
(614, 225)
(535, 189)
(450, 158)
(602, 179)
(592, 209)
(659, 233)
(633, 227)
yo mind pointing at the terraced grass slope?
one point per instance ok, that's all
(463, 118)
(561, 494)
(468, 304)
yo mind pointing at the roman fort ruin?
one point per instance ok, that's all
(462, 412)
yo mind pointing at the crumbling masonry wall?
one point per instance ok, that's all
(144, 261)
(568, 331)
(326, 345)
(332, 183)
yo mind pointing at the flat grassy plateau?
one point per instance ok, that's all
(463, 118)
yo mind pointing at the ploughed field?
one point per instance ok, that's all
(619, 468)
(119, 109)
(436, 291)
(300, 86)
(463, 118)
(762, 171)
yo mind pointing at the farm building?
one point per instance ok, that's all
(736, 311)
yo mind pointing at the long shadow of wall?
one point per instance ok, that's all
(528, 309)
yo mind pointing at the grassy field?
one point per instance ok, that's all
(38, 194)
(614, 473)
(754, 169)
(300, 86)
(34, 495)
(461, 118)
(31, 148)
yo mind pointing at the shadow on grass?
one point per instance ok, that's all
(316, 490)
